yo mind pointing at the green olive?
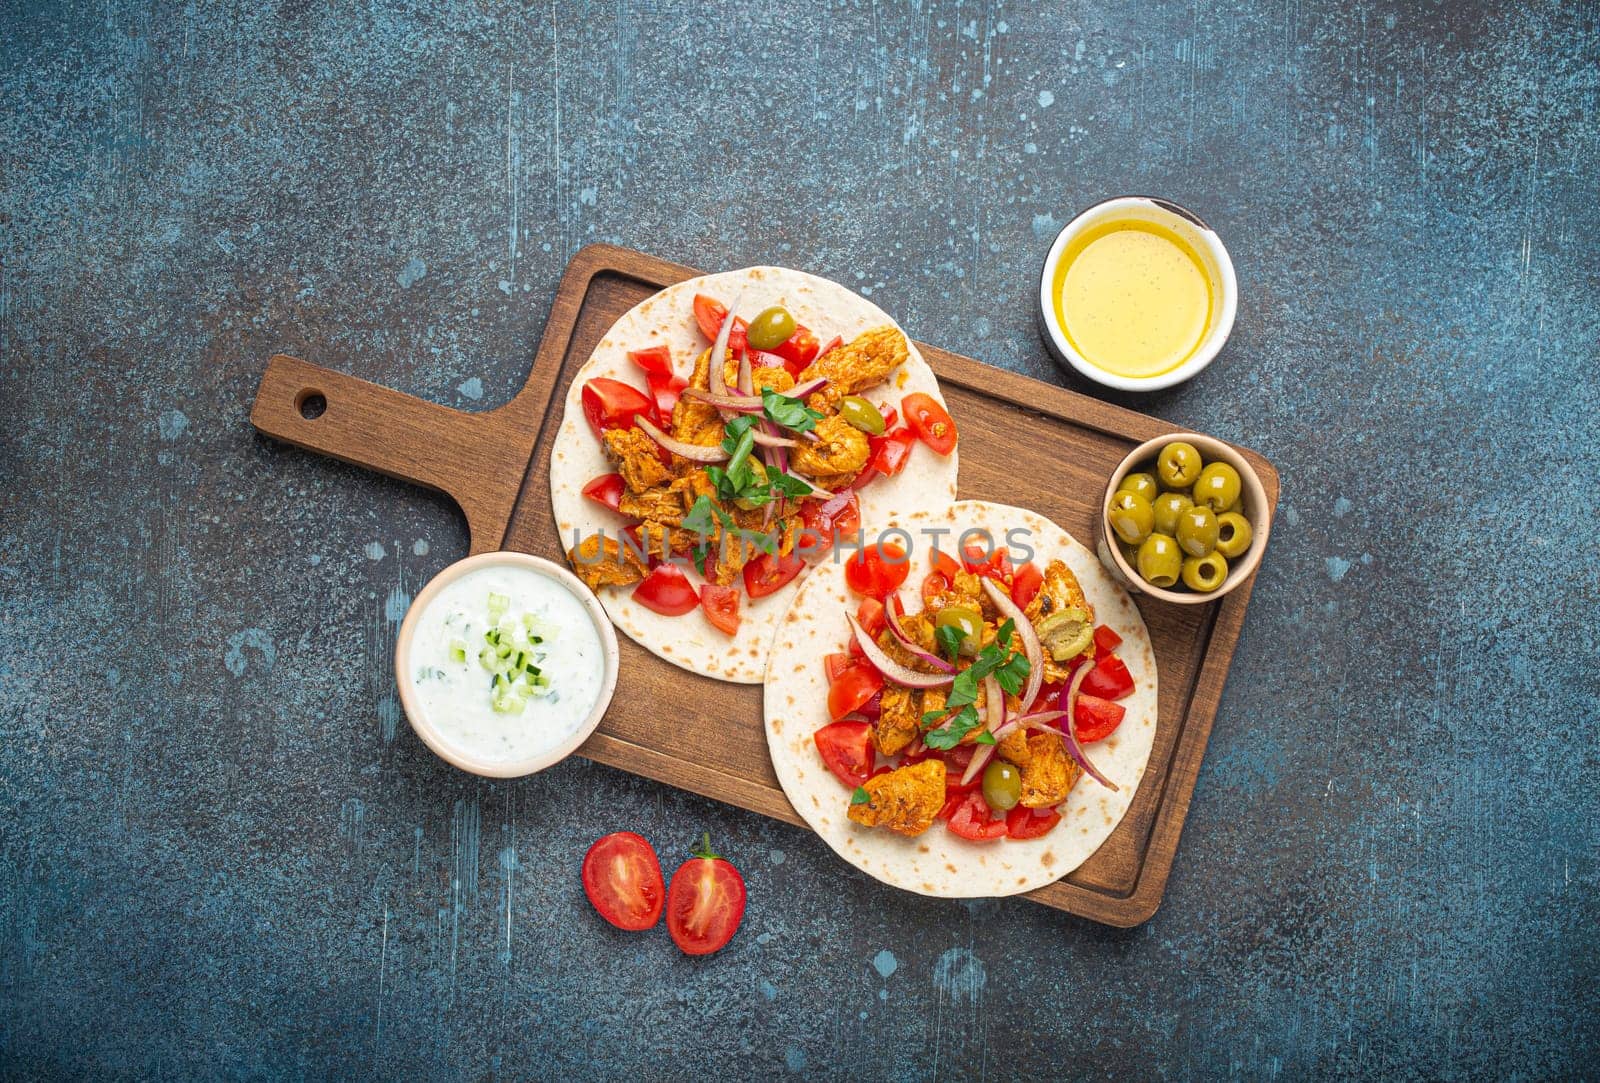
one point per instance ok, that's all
(1131, 516)
(1205, 574)
(1217, 487)
(861, 414)
(1178, 464)
(1169, 508)
(770, 329)
(1002, 785)
(966, 619)
(759, 474)
(1233, 534)
(1143, 483)
(1160, 560)
(1197, 531)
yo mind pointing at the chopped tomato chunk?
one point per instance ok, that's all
(846, 747)
(722, 607)
(852, 688)
(1030, 823)
(1109, 679)
(667, 591)
(605, 489)
(656, 361)
(1025, 584)
(709, 314)
(799, 350)
(973, 819)
(770, 572)
(930, 421)
(891, 451)
(612, 404)
(1096, 719)
(1105, 640)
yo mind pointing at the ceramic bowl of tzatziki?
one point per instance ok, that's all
(505, 664)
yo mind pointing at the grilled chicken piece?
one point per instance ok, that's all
(1059, 594)
(601, 562)
(865, 361)
(1048, 772)
(840, 451)
(906, 800)
(638, 458)
(660, 505)
(899, 720)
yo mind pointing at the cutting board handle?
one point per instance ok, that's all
(475, 459)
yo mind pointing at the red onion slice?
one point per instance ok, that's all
(1042, 720)
(766, 439)
(892, 670)
(1069, 707)
(731, 401)
(700, 453)
(980, 760)
(746, 381)
(891, 612)
(800, 391)
(1030, 640)
(715, 378)
(994, 709)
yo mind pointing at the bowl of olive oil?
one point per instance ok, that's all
(1137, 293)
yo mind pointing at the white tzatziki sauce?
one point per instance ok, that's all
(545, 627)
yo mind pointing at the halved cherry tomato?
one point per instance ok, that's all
(799, 350)
(846, 747)
(705, 902)
(933, 585)
(667, 591)
(722, 607)
(835, 664)
(769, 572)
(622, 878)
(656, 361)
(665, 390)
(1105, 640)
(1109, 679)
(871, 617)
(1025, 584)
(931, 421)
(972, 819)
(605, 489)
(709, 314)
(877, 570)
(1030, 823)
(851, 689)
(945, 565)
(612, 404)
(1096, 718)
(890, 452)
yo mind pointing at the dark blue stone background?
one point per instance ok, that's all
(222, 852)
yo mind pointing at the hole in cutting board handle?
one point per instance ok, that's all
(311, 404)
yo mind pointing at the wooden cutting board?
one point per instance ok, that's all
(1022, 442)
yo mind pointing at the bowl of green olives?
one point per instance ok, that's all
(1185, 519)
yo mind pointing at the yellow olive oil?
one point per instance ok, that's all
(1133, 298)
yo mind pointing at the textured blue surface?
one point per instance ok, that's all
(222, 852)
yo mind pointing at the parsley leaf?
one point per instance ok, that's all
(948, 736)
(950, 638)
(985, 738)
(791, 413)
(703, 517)
(996, 660)
(789, 485)
(860, 796)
